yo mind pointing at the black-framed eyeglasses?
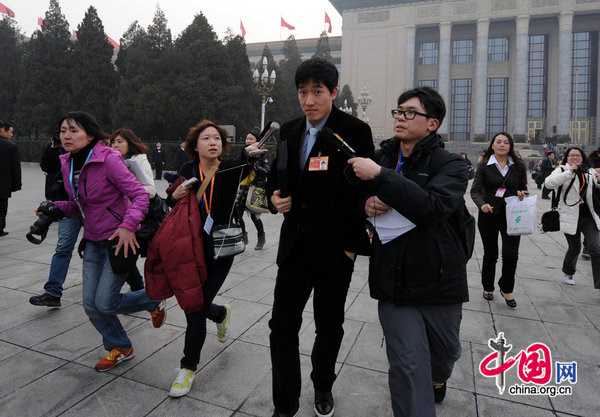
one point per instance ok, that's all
(408, 114)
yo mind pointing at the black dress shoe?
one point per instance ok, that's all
(290, 414)
(439, 391)
(511, 303)
(488, 296)
(3, 233)
(45, 300)
(323, 403)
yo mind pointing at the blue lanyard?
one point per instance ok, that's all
(400, 163)
(76, 195)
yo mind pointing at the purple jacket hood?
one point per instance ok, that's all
(109, 195)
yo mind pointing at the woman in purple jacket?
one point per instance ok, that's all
(100, 188)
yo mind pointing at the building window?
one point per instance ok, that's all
(498, 49)
(428, 53)
(428, 83)
(537, 77)
(584, 74)
(460, 116)
(462, 51)
(497, 106)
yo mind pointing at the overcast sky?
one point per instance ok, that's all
(261, 18)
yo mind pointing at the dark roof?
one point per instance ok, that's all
(342, 5)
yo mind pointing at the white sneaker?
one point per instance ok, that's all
(569, 280)
(224, 325)
(183, 383)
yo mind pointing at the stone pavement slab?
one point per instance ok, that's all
(47, 355)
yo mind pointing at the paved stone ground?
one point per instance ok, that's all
(47, 356)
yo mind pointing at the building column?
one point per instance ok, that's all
(521, 69)
(411, 31)
(445, 49)
(565, 44)
(481, 59)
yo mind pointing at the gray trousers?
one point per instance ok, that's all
(587, 226)
(422, 345)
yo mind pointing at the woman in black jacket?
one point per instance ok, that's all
(500, 174)
(205, 144)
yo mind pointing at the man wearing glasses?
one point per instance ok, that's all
(418, 269)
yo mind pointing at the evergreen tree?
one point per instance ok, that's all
(145, 63)
(323, 50)
(11, 41)
(202, 85)
(130, 63)
(94, 77)
(244, 94)
(346, 94)
(288, 107)
(45, 83)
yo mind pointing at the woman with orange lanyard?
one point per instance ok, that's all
(205, 144)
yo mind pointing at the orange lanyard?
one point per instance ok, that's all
(212, 187)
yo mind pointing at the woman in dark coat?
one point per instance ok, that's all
(205, 144)
(500, 174)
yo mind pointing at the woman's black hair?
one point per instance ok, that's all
(85, 121)
(511, 152)
(584, 158)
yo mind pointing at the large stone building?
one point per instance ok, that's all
(529, 67)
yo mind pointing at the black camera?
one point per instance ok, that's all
(582, 169)
(50, 214)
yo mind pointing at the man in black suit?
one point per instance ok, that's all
(181, 157)
(548, 165)
(10, 173)
(321, 235)
(158, 158)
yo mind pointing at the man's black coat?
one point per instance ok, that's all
(10, 168)
(325, 206)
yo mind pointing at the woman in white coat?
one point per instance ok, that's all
(574, 179)
(133, 151)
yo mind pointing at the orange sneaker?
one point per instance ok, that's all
(160, 314)
(115, 357)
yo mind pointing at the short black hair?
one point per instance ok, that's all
(431, 100)
(318, 70)
(7, 126)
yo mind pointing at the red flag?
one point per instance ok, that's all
(113, 43)
(242, 29)
(6, 10)
(285, 24)
(40, 21)
(74, 34)
(328, 21)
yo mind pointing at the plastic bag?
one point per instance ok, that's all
(521, 215)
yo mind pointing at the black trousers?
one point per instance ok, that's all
(3, 211)
(489, 226)
(328, 274)
(260, 229)
(158, 167)
(195, 332)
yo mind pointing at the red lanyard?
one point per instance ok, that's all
(212, 187)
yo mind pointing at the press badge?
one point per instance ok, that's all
(318, 163)
(500, 192)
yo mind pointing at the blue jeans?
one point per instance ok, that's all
(102, 299)
(68, 230)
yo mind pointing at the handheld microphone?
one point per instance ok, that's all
(270, 129)
(342, 145)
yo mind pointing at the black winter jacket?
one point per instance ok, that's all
(426, 265)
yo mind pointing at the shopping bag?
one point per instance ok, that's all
(521, 215)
